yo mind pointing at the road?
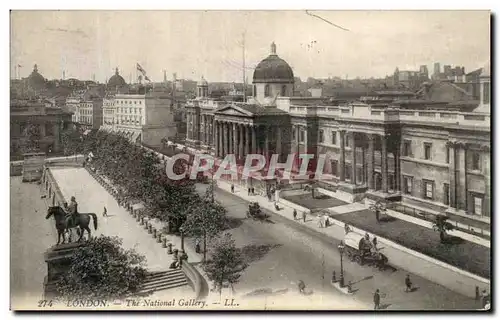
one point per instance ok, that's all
(285, 252)
(30, 236)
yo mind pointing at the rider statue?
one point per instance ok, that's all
(73, 211)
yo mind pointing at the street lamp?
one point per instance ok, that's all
(341, 250)
(181, 229)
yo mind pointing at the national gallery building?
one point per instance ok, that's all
(390, 145)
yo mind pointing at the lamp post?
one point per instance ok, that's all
(341, 250)
(181, 229)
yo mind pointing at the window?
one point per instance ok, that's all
(486, 92)
(476, 161)
(334, 137)
(321, 136)
(266, 91)
(428, 189)
(294, 133)
(335, 164)
(446, 193)
(302, 135)
(49, 129)
(478, 205)
(407, 148)
(448, 154)
(283, 90)
(346, 142)
(408, 184)
(254, 90)
(427, 150)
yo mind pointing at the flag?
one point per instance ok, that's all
(141, 70)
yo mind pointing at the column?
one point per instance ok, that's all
(57, 135)
(383, 154)
(363, 164)
(487, 176)
(235, 141)
(254, 140)
(466, 188)
(353, 161)
(247, 140)
(241, 140)
(278, 143)
(342, 155)
(266, 145)
(215, 144)
(452, 169)
(371, 161)
(225, 135)
(397, 171)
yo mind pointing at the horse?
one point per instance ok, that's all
(60, 217)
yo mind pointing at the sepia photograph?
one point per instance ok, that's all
(250, 160)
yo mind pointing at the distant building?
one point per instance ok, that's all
(34, 127)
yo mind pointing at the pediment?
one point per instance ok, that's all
(233, 110)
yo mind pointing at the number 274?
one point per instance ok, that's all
(44, 303)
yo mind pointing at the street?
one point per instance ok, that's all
(284, 252)
(30, 236)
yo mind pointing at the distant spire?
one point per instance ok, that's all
(35, 68)
(273, 48)
(116, 71)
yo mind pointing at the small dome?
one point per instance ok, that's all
(116, 80)
(273, 69)
(35, 79)
(486, 70)
(202, 82)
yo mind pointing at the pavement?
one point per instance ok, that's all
(92, 197)
(30, 236)
(310, 253)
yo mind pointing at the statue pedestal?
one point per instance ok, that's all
(58, 259)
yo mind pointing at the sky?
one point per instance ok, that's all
(193, 44)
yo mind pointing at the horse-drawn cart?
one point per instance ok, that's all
(362, 251)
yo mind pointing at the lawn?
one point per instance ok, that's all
(466, 255)
(320, 202)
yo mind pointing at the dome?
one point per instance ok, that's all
(36, 80)
(273, 69)
(486, 70)
(202, 82)
(116, 80)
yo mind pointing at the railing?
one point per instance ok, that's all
(430, 217)
(199, 285)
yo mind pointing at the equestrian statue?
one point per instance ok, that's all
(68, 218)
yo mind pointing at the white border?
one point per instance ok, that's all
(185, 4)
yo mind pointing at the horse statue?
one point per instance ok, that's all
(63, 224)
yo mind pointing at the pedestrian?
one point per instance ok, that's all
(374, 242)
(327, 222)
(347, 228)
(249, 191)
(105, 212)
(376, 300)
(197, 245)
(232, 188)
(304, 216)
(294, 214)
(253, 191)
(302, 287)
(408, 283)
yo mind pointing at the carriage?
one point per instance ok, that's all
(361, 250)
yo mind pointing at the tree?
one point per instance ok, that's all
(72, 142)
(226, 263)
(377, 207)
(102, 269)
(207, 219)
(442, 226)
